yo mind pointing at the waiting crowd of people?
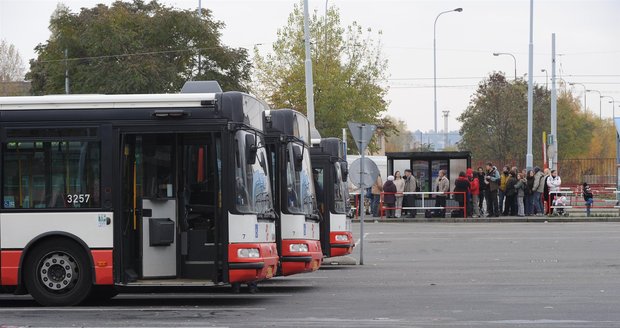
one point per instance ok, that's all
(488, 191)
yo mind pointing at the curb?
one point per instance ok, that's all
(501, 219)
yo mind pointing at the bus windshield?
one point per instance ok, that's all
(300, 186)
(340, 191)
(252, 186)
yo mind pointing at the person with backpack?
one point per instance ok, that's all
(588, 196)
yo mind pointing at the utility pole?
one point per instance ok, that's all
(529, 158)
(445, 128)
(309, 83)
(553, 138)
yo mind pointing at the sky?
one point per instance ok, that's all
(587, 43)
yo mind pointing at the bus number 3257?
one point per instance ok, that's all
(78, 199)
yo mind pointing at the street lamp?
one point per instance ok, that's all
(600, 112)
(458, 10)
(508, 54)
(546, 76)
(613, 106)
(584, 94)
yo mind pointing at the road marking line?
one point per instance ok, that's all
(126, 309)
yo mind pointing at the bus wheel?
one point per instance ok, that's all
(57, 273)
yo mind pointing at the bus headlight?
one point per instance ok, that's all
(298, 248)
(342, 238)
(248, 252)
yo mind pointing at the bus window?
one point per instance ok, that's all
(51, 174)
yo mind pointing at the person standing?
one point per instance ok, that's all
(502, 189)
(492, 180)
(376, 191)
(462, 185)
(389, 196)
(554, 182)
(511, 194)
(588, 196)
(483, 190)
(400, 187)
(521, 187)
(529, 210)
(475, 192)
(411, 185)
(546, 203)
(537, 191)
(442, 186)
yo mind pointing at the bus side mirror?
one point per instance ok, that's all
(298, 157)
(344, 168)
(250, 149)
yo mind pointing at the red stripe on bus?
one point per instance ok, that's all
(104, 270)
(9, 267)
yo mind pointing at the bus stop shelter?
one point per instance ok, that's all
(425, 166)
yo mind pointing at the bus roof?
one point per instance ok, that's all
(105, 101)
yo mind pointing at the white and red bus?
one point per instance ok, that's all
(100, 192)
(332, 194)
(297, 227)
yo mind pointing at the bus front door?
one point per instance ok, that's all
(171, 184)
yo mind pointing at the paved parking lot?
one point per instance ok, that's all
(415, 275)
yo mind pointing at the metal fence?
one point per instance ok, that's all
(594, 171)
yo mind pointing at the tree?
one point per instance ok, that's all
(401, 139)
(495, 123)
(348, 72)
(135, 47)
(11, 63)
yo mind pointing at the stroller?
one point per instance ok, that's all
(560, 201)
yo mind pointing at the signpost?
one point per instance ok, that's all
(362, 133)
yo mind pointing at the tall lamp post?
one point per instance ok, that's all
(600, 111)
(613, 106)
(585, 92)
(435, 61)
(513, 58)
(546, 76)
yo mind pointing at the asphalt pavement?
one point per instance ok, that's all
(525, 274)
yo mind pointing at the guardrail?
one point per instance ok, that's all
(559, 202)
(425, 197)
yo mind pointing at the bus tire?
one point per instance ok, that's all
(58, 273)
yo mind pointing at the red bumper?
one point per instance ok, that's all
(244, 269)
(300, 262)
(340, 247)
(9, 267)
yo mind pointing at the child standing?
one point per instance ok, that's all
(588, 197)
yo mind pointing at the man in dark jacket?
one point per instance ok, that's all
(492, 179)
(461, 184)
(411, 185)
(389, 196)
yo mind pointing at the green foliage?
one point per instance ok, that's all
(135, 47)
(495, 123)
(348, 71)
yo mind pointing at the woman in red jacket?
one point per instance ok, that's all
(474, 189)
